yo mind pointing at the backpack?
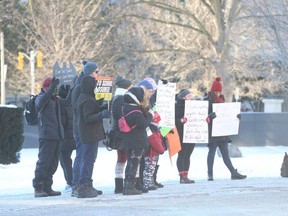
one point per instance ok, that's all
(30, 111)
(122, 123)
(284, 167)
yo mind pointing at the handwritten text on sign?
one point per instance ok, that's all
(226, 123)
(196, 128)
(165, 103)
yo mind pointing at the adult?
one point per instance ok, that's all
(50, 134)
(183, 159)
(215, 96)
(123, 85)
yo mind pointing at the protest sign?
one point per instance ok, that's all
(104, 88)
(226, 123)
(196, 128)
(65, 75)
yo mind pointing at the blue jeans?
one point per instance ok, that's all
(90, 152)
(77, 161)
(223, 146)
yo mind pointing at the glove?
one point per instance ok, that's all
(210, 117)
(164, 81)
(105, 114)
(54, 82)
(183, 120)
(239, 116)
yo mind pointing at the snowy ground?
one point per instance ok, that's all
(264, 192)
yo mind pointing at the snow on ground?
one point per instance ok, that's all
(264, 192)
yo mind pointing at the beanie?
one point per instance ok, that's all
(216, 85)
(152, 82)
(46, 83)
(146, 84)
(183, 93)
(121, 82)
(89, 68)
(135, 95)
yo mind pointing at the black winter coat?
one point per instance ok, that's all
(179, 114)
(49, 117)
(76, 91)
(137, 138)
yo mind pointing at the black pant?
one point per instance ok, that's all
(47, 164)
(183, 159)
(134, 156)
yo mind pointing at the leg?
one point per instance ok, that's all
(210, 159)
(148, 180)
(66, 162)
(77, 161)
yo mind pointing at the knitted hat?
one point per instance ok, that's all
(135, 95)
(146, 84)
(46, 83)
(152, 82)
(183, 93)
(121, 82)
(89, 68)
(216, 85)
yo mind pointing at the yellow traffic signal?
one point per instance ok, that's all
(39, 57)
(20, 63)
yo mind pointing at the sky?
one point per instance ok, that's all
(261, 165)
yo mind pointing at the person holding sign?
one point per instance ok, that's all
(183, 159)
(215, 96)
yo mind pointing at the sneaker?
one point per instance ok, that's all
(68, 189)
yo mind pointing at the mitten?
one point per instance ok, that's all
(105, 114)
(239, 116)
(54, 82)
(183, 120)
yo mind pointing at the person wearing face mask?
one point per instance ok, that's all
(183, 159)
(50, 134)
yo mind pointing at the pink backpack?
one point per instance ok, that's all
(122, 123)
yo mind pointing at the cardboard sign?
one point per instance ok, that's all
(173, 140)
(104, 88)
(65, 75)
(196, 128)
(226, 123)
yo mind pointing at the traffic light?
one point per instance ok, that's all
(20, 63)
(39, 57)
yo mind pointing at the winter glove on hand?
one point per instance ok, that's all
(164, 81)
(54, 82)
(239, 116)
(105, 114)
(210, 117)
(183, 120)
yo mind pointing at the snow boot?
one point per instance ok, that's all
(184, 179)
(210, 176)
(86, 191)
(237, 176)
(129, 188)
(159, 185)
(51, 192)
(39, 192)
(139, 185)
(118, 186)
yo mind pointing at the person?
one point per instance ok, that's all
(215, 96)
(68, 143)
(183, 158)
(136, 140)
(123, 85)
(156, 147)
(89, 69)
(90, 127)
(50, 134)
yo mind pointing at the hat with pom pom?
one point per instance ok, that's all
(216, 85)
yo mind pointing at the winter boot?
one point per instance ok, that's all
(184, 179)
(237, 176)
(39, 192)
(139, 185)
(129, 188)
(210, 176)
(51, 192)
(159, 185)
(86, 191)
(118, 186)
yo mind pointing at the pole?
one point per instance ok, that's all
(32, 74)
(2, 68)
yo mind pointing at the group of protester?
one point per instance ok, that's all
(72, 119)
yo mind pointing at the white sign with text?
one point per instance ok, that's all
(226, 123)
(196, 128)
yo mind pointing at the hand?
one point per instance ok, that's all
(183, 120)
(222, 96)
(105, 114)
(54, 82)
(210, 117)
(164, 81)
(239, 116)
